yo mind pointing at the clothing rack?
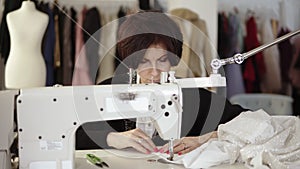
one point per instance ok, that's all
(105, 6)
(285, 11)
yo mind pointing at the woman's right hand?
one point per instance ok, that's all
(187, 144)
(135, 138)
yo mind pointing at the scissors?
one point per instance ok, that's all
(96, 160)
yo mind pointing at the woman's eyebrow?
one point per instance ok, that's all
(145, 59)
(164, 55)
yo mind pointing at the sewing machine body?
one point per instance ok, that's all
(49, 117)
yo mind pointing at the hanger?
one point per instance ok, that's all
(235, 10)
(55, 2)
(250, 13)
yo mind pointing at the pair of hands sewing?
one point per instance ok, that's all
(140, 141)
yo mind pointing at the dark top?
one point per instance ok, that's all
(203, 111)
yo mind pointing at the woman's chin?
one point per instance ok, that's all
(151, 81)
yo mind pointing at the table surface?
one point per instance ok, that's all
(128, 159)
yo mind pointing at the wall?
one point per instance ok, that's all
(292, 14)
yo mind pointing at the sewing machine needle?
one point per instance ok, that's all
(171, 150)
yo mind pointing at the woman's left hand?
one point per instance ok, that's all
(187, 144)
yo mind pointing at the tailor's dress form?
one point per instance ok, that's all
(25, 66)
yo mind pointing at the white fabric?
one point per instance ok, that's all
(254, 138)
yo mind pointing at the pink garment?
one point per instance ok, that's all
(81, 69)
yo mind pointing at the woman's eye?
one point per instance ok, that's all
(164, 59)
(144, 61)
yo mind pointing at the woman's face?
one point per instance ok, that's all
(154, 62)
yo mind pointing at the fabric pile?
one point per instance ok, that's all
(254, 138)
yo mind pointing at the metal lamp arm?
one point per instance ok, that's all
(239, 58)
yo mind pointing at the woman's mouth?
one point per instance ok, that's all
(152, 81)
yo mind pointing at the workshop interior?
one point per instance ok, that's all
(56, 54)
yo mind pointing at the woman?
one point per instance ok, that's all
(151, 43)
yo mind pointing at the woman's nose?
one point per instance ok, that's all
(154, 71)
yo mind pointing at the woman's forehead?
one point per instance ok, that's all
(155, 51)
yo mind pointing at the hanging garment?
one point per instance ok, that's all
(58, 55)
(1, 12)
(73, 36)
(286, 55)
(157, 6)
(81, 75)
(121, 19)
(296, 59)
(197, 49)
(67, 66)
(295, 80)
(224, 33)
(294, 75)
(144, 4)
(229, 31)
(254, 67)
(48, 47)
(92, 24)
(108, 41)
(4, 34)
(272, 81)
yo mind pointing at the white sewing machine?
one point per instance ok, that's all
(49, 116)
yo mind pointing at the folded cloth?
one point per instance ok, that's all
(254, 138)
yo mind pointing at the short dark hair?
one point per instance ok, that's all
(143, 29)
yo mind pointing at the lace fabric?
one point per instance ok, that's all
(254, 138)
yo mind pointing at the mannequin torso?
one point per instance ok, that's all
(25, 66)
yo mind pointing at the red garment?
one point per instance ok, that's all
(254, 68)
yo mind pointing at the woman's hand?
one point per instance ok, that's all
(135, 138)
(187, 144)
